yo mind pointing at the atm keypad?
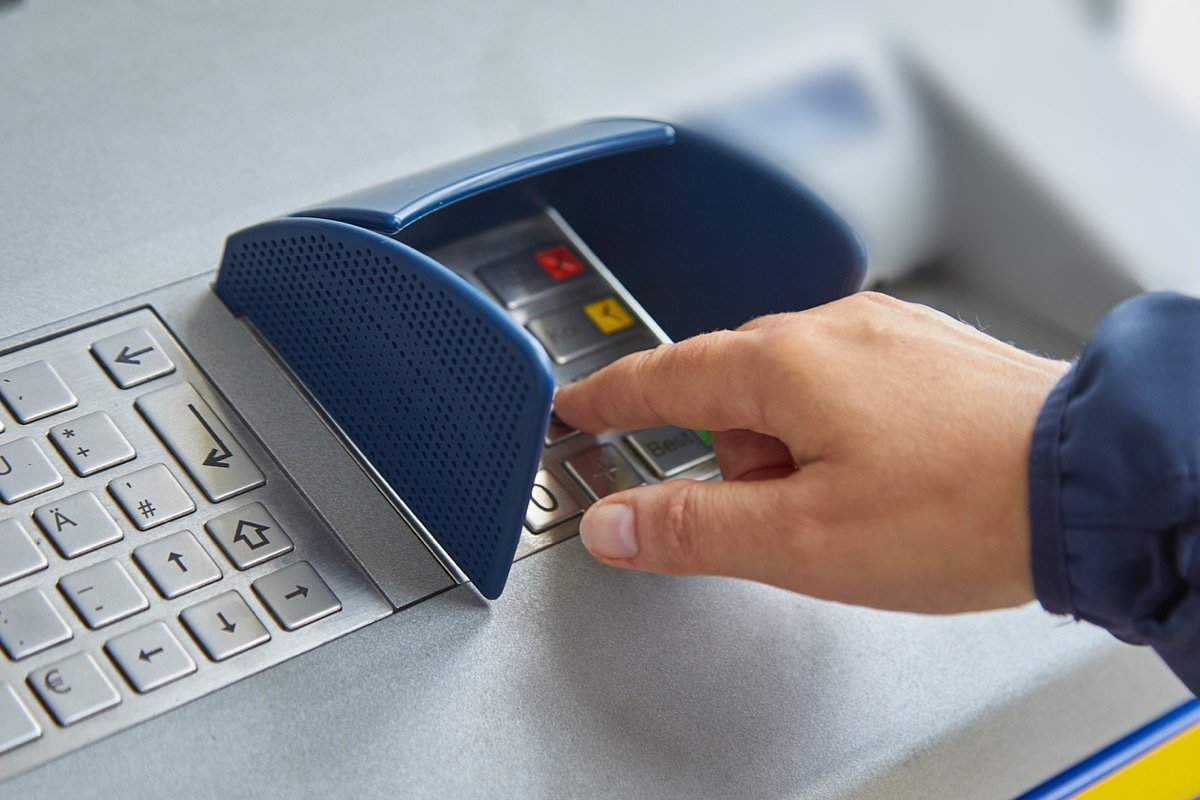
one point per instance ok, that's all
(138, 520)
(570, 303)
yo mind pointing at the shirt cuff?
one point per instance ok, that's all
(1048, 551)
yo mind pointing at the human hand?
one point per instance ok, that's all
(873, 451)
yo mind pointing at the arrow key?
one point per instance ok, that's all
(176, 564)
(296, 596)
(132, 358)
(150, 657)
(200, 441)
(249, 536)
(224, 626)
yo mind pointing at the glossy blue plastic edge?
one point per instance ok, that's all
(1117, 755)
(270, 274)
(390, 207)
(702, 233)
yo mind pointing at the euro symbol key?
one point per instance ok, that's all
(54, 682)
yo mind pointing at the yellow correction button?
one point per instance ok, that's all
(608, 315)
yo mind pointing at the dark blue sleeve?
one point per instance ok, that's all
(1114, 489)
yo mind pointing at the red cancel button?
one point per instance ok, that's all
(559, 263)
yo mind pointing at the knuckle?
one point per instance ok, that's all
(681, 538)
(782, 356)
(871, 299)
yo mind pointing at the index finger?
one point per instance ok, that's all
(709, 381)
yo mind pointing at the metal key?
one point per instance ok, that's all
(151, 497)
(29, 624)
(200, 441)
(74, 689)
(25, 471)
(92, 443)
(77, 524)
(35, 391)
(103, 594)
(19, 556)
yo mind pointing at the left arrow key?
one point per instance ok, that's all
(150, 657)
(132, 357)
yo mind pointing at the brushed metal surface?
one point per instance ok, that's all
(68, 352)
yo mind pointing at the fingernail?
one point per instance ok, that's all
(607, 531)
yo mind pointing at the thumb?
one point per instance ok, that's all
(687, 527)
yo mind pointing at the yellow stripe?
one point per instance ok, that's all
(1171, 771)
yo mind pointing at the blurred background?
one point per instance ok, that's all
(1027, 179)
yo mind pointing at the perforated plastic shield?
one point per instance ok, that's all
(444, 396)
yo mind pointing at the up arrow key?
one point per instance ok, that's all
(260, 539)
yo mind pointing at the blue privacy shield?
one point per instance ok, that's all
(443, 396)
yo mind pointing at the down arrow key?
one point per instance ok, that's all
(224, 626)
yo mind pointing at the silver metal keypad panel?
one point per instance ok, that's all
(549, 282)
(121, 596)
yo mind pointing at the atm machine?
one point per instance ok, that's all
(287, 512)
